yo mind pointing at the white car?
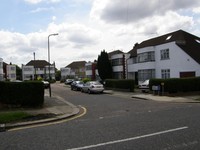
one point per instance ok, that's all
(69, 81)
(92, 87)
(46, 84)
(144, 86)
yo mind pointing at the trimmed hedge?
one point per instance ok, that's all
(29, 94)
(123, 84)
(174, 85)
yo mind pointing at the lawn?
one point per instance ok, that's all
(12, 116)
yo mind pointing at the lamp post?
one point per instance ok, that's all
(49, 61)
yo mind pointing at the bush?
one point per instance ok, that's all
(86, 80)
(126, 84)
(29, 94)
(174, 85)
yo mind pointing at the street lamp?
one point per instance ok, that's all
(49, 61)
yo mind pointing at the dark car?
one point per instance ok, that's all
(77, 85)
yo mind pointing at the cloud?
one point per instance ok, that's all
(77, 35)
(39, 1)
(196, 10)
(123, 12)
(112, 25)
(42, 9)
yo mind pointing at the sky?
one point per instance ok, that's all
(87, 27)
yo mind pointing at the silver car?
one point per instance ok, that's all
(92, 87)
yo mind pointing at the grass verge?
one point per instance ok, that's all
(6, 117)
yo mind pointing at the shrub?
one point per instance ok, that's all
(174, 85)
(115, 84)
(29, 93)
(86, 80)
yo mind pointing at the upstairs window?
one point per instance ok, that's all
(164, 54)
(117, 62)
(146, 57)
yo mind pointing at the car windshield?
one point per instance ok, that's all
(80, 82)
(146, 82)
(96, 83)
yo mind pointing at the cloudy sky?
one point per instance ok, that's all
(86, 27)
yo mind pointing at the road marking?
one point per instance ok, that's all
(129, 139)
(51, 123)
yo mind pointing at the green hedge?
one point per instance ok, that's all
(174, 85)
(29, 94)
(117, 84)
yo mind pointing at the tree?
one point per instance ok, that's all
(58, 75)
(18, 72)
(104, 66)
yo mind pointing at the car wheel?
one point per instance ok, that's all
(89, 92)
(82, 90)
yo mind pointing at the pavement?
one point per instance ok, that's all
(60, 109)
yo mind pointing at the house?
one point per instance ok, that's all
(118, 62)
(38, 68)
(11, 72)
(91, 70)
(65, 72)
(7, 71)
(77, 69)
(173, 55)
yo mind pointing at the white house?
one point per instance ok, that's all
(91, 70)
(174, 55)
(38, 68)
(119, 64)
(77, 69)
(65, 72)
(27, 72)
(11, 72)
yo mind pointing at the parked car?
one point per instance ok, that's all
(77, 85)
(69, 81)
(46, 84)
(144, 86)
(92, 87)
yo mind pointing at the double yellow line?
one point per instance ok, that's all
(82, 113)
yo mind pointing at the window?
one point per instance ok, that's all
(146, 57)
(12, 68)
(146, 74)
(28, 69)
(169, 37)
(13, 76)
(165, 73)
(164, 54)
(117, 62)
(89, 67)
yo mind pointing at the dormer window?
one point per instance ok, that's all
(198, 41)
(169, 37)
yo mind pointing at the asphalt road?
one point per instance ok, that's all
(112, 123)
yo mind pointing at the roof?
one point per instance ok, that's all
(114, 52)
(186, 41)
(38, 63)
(76, 64)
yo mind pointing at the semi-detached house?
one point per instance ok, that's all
(38, 68)
(174, 55)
